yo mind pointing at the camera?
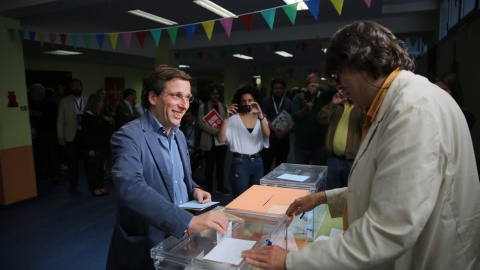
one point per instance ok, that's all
(308, 96)
(243, 109)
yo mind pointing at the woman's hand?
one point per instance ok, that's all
(231, 110)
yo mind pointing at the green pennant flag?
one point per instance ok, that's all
(11, 33)
(269, 16)
(86, 39)
(291, 11)
(172, 32)
(75, 40)
(21, 33)
(156, 33)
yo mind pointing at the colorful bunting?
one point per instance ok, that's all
(208, 27)
(63, 39)
(75, 40)
(53, 37)
(291, 11)
(247, 20)
(368, 2)
(190, 29)
(113, 39)
(86, 39)
(156, 33)
(141, 37)
(313, 7)
(172, 32)
(42, 38)
(269, 16)
(100, 39)
(127, 37)
(32, 34)
(215, 53)
(21, 34)
(267, 48)
(227, 25)
(338, 5)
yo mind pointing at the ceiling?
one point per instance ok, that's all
(406, 18)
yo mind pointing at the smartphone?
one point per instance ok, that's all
(308, 96)
(243, 109)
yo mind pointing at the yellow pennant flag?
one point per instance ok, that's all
(208, 27)
(42, 38)
(338, 4)
(113, 39)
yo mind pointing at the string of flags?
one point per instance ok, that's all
(208, 26)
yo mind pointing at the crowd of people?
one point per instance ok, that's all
(401, 167)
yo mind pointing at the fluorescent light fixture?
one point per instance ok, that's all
(150, 16)
(215, 8)
(246, 57)
(256, 76)
(283, 53)
(301, 5)
(63, 52)
(324, 50)
(183, 66)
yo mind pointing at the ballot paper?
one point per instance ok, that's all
(229, 250)
(227, 235)
(195, 205)
(293, 177)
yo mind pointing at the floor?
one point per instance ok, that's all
(58, 230)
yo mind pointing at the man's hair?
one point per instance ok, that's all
(213, 86)
(157, 79)
(366, 45)
(76, 80)
(37, 87)
(237, 97)
(127, 92)
(278, 80)
(92, 102)
(310, 76)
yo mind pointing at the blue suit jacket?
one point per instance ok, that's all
(146, 214)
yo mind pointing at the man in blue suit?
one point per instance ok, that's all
(152, 175)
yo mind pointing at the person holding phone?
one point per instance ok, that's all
(310, 135)
(245, 130)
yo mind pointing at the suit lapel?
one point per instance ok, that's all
(182, 149)
(155, 150)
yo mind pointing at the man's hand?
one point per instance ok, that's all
(337, 98)
(209, 220)
(201, 196)
(306, 203)
(271, 257)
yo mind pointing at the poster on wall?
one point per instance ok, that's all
(114, 88)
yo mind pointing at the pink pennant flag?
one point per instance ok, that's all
(368, 2)
(53, 37)
(127, 37)
(227, 25)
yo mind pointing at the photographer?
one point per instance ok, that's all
(246, 132)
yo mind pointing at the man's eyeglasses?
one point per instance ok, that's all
(335, 77)
(179, 97)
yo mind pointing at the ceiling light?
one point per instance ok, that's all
(283, 53)
(257, 76)
(246, 57)
(63, 52)
(150, 16)
(324, 50)
(215, 8)
(301, 5)
(183, 66)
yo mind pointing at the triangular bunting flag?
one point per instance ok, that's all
(304, 45)
(368, 2)
(190, 29)
(224, 53)
(208, 27)
(32, 34)
(53, 37)
(86, 39)
(267, 48)
(275, 47)
(141, 37)
(156, 33)
(42, 38)
(291, 11)
(247, 20)
(177, 56)
(127, 37)
(100, 38)
(313, 6)
(11, 33)
(21, 33)
(172, 32)
(113, 39)
(63, 39)
(269, 16)
(338, 4)
(227, 25)
(249, 51)
(200, 55)
(75, 40)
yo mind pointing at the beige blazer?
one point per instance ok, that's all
(206, 139)
(67, 118)
(413, 191)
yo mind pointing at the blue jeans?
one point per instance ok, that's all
(244, 173)
(316, 155)
(338, 171)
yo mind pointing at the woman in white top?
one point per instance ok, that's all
(246, 133)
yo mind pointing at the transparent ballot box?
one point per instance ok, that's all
(205, 250)
(299, 176)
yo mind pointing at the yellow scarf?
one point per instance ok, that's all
(371, 114)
